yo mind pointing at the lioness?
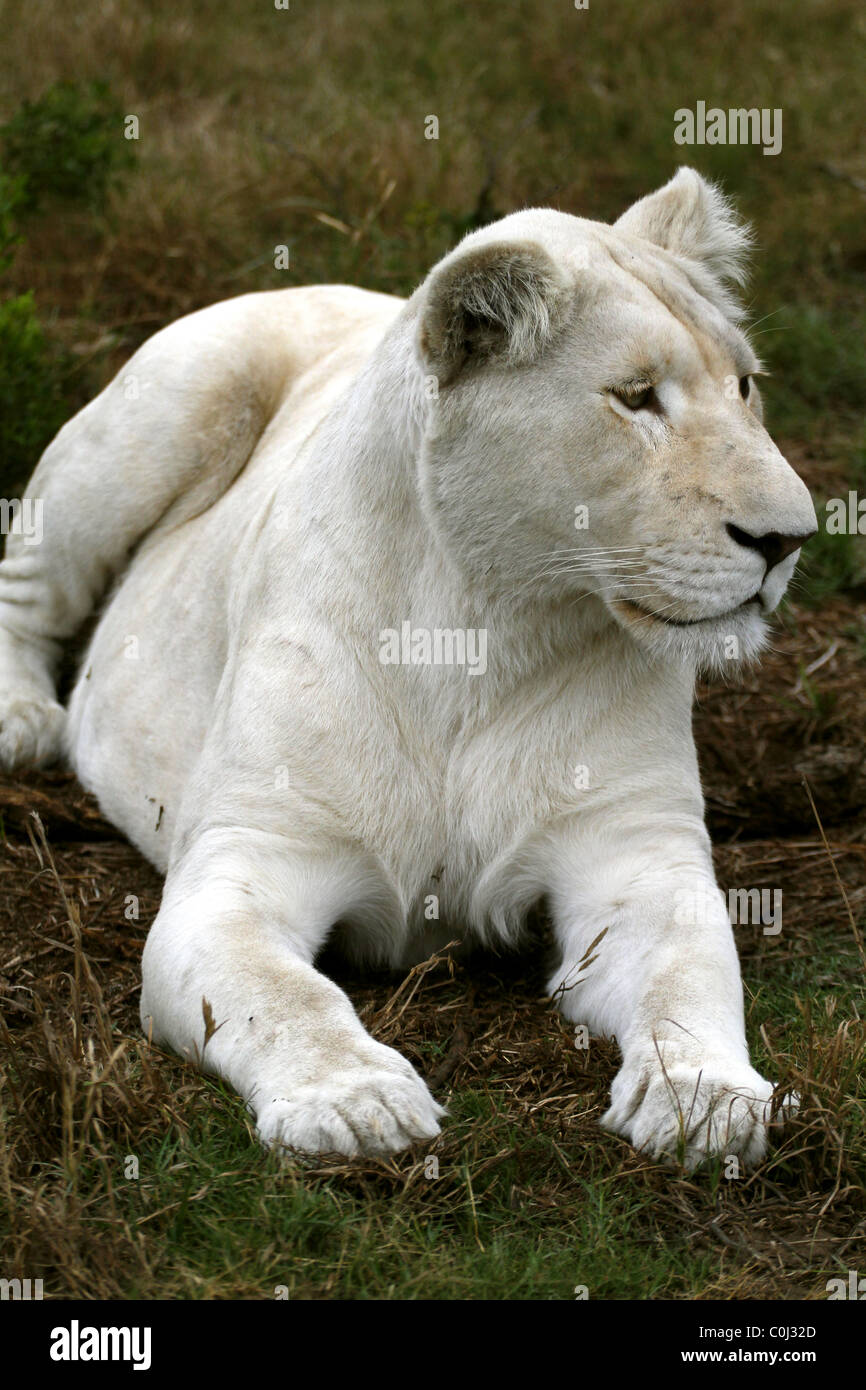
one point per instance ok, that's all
(318, 507)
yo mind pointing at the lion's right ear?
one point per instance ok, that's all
(496, 300)
(691, 217)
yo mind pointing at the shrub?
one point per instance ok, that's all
(11, 198)
(68, 144)
(32, 408)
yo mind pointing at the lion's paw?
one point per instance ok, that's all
(372, 1110)
(31, 729)
(689, 1113)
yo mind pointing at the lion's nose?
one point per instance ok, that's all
(773, 545)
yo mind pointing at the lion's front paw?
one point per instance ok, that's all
(368, 1110)
(686, 1112)
(31, 729)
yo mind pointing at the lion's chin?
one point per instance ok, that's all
(716, 645)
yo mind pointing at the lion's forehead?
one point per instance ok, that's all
(669, 309)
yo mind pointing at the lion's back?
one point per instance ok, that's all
(142, 705)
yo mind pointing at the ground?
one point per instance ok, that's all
(122, 1172)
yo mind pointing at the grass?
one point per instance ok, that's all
(126, 1175)
(305, 128)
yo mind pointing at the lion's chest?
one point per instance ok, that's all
(453, 782)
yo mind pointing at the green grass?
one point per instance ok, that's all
(522, 1206)
(830, 563)
(818, 381)
(225, 1219)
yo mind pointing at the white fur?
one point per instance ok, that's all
(274, 481)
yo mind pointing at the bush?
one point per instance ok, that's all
(32, 408)
(11, 199)
(68, 144)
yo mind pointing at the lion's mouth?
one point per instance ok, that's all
(638, 610)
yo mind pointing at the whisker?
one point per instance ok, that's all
(624, 581)
(572, 573)
(590, 550)
(771, 315)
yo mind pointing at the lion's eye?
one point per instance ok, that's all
(635, 397)
(745, 387)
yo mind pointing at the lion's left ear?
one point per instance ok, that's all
(691, 217)
(493, 300)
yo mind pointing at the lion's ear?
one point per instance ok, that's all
(495, 300)
(691, 217)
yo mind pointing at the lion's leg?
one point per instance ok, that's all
(229, 983)
(665, 981)
(164, 439)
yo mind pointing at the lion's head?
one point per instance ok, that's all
(596, 426)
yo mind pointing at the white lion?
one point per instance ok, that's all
(315, 505)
